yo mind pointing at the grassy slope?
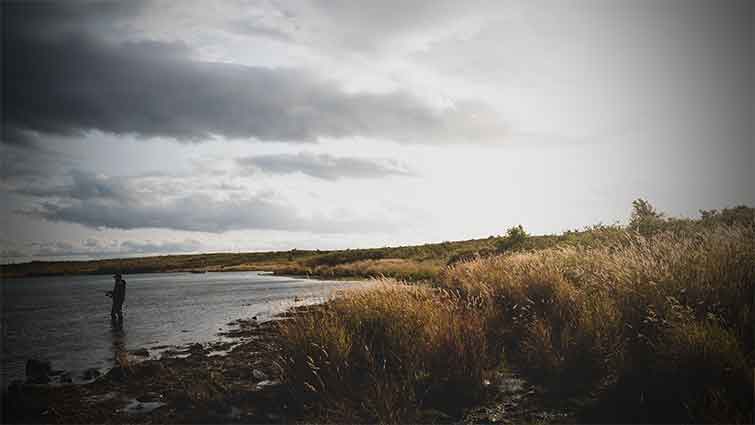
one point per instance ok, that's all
(409, 262)
(165, 263)
(653, 323)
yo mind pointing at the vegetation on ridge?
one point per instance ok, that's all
(409, 263)
(652, 323)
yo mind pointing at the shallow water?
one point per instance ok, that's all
(67, 319)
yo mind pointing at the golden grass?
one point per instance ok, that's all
(387, 267)
(384, 353)
(397, 268)
(668, 317)
(663, 323)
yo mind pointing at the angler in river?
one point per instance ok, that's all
(118, 294)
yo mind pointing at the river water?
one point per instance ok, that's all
(66, 320)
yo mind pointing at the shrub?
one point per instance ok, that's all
(514, 239)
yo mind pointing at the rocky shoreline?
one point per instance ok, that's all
(228, 382)
(235, 381)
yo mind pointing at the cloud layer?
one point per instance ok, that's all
(96, 247)
(102, 202)
(323, 166)
(76, 82)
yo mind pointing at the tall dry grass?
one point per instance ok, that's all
(666, 321)
(386, 353)
(660, 327)
(397, 268)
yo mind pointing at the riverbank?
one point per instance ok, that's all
(458, 352)
(66, 319)
(407, 262)
(650, 324)
(230, 382)
(645, 329)
(240, 381)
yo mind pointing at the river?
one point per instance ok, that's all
(66, 319)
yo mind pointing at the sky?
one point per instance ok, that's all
(157, 127)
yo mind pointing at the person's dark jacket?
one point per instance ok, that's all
(119, 291)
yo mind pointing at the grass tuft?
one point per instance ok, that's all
(385, 353)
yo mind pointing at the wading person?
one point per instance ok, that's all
(118, 294)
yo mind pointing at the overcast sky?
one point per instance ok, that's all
(139, 128)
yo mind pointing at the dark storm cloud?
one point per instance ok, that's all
(84, 186)
(323, 166)
(198, 213)
(27, 164)
(192, 213)
(76, 82)
(17, 137)
(98, 248)
(102, 202)
(50, 19)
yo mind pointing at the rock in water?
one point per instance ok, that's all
(149, 397)
(136, 407)
(258, 374)
(117, 374)
(266, 384)
(90, 374)
(142, 352)
(65, 378)
(38, 371)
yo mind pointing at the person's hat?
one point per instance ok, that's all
(117, 275)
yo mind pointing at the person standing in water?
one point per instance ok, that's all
(118, 294)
